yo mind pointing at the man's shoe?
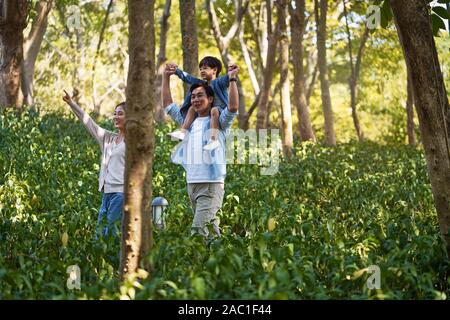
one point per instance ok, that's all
(211, 145)
(179, 134)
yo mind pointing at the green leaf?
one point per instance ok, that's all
(438, 23)
(386, 13)
(442, 12)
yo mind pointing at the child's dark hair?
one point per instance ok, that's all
(211, 62)
(209, 91)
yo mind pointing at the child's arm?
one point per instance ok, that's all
(166, 96)
(93, 128)
(186, 77)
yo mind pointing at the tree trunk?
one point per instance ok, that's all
(410, 113)
(137, 238)
(312, 84)
(263, 101)
(96, 102)
(189, 38)
(430, 98)
(223, 42)
(78, 83)
(286, 114)
(354, 74)
(31, 48)
(242, 116)
(161, 58)
(12, 23)
(409, 100)
(320, 11)
(298, 25)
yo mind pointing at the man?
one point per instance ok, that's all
(205, 169)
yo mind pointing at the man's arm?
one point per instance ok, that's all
(227, 115)
(166, 96)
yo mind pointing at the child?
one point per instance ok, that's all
(210, 68)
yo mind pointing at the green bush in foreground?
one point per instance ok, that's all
(308, 232)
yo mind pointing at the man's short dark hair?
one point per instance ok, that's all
(208, 89)
(211, 62)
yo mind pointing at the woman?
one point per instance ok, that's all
(111, 178)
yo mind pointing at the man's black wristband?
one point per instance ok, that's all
(233, 79)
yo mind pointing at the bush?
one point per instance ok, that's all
(308, 232)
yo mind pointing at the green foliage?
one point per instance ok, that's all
(308, 232)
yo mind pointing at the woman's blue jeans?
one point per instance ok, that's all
(110, 214)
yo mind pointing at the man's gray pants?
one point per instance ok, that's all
(206, 200)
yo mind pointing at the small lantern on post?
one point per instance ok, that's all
(159, 205)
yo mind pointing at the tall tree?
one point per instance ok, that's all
(410, 112)
(161, 58)
(97, 102)
(320, 12)
(286, 114)
(298, 27)
(189, 38)
(263, 97)
(137, 238)
(355, 67)
(430, 98)
(31, 47)
(223, 42)
(409, 101)
(13, 20)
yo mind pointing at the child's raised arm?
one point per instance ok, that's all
(186, 77)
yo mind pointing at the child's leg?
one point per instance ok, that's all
(190, 116)
(214, 123)
(180, 134)
(214, 142)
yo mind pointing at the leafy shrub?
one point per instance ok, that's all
(308, 232)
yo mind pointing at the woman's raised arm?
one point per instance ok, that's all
(94, 129)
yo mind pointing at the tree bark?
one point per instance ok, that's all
(223, 42)
(430, 98)
(286, 113)
(137, 238)
(248, 63)
(410, 113)
(320, 11)
(96, 102)
(189, 38)
(409, 100)
(161, 58)
(13, 22)
(31, 47)
(242, 116)
(298, 26)
(263, 101)
(355, 68)
(312, 83)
